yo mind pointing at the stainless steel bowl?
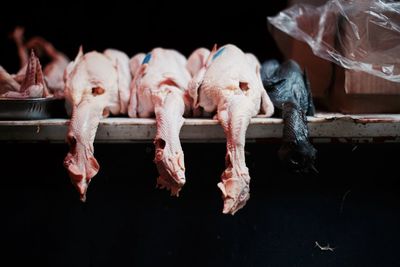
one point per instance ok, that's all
(31, 109)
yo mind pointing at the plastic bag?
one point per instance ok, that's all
(361, 35)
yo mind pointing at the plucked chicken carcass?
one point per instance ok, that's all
(158, 90)
(93, 87)
(32, 83)
(53, 71)
(290, 92)
(229, 83)
(197, 60)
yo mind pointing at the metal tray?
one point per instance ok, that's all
(31, 109)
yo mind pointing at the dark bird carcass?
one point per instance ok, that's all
(289, 89)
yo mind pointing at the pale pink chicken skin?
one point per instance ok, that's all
(30, 81)
(122, 64)
(230, 84)
(195, 64)
(53, 72)
(134, 64)
(32, 85)
(197, 60)
(92, 89)
(159, 90)
(7, 83)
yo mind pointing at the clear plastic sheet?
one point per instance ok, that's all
(361, 35)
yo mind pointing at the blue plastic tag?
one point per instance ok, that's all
(219, 52)
(146, 58)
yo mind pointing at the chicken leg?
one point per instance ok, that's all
(33, 84)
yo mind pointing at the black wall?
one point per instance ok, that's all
(353, 204)
(139, 26)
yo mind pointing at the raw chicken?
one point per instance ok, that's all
(195, 64)
(135, 62)
(290, 92)
(197, 60)
(159, 89)
(230, 84)
(53, 71)
(92, 88)
(33, 84)
(7, 82)
(134, 65)
(122, 64)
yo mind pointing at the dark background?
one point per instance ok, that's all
(352, 204)
(139, 27)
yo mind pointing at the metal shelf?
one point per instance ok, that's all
(324, 127)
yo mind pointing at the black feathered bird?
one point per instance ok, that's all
(288, 87)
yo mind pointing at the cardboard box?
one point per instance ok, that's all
(337, 89)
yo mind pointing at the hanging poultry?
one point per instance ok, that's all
(95, 85)
(229, 84)
(290, 92)
(159, 89)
